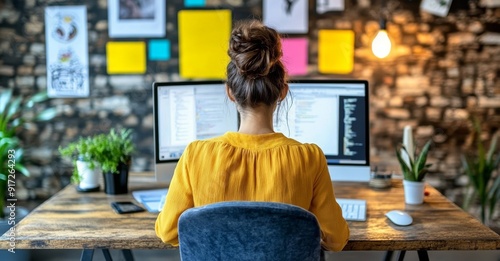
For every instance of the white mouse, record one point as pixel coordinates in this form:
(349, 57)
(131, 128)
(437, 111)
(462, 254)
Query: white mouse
(399, 217)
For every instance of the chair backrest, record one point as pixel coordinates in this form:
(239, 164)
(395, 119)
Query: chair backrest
(245, 230)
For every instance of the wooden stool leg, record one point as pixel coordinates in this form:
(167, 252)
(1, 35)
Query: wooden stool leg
(87, 255)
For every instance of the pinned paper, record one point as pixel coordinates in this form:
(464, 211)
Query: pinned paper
(295, 55)
(286, 16)
(336, 51)
(144, 18)
(194, 3)
(323, 6)
(436, 7)
(126, 57)
(159, 50)
(67, 51)
(203, 43)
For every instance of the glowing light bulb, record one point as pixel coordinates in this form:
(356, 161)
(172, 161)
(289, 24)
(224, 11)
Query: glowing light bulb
(381, 45)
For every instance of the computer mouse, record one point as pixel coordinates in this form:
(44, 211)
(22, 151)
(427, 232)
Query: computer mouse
(399, 217)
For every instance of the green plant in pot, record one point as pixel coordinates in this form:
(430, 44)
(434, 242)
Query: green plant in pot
(480, 166)
(414, 167)
(16, 113)
(113, 152)
(85, 174)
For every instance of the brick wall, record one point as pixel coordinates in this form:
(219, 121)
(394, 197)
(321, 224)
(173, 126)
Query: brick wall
(441, 71)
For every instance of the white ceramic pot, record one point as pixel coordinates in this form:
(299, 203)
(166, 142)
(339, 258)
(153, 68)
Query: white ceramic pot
(89, 178)
(414, 192)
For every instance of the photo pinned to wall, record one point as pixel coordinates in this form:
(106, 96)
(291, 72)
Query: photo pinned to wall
(67, 51)
(286, 16)
(436, 7)
(136, 18)
(323, 6)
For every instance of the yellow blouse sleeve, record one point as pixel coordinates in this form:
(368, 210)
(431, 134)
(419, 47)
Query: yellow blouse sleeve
(334, 228)
(179, 198)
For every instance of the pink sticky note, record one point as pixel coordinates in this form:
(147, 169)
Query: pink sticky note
(295, 55)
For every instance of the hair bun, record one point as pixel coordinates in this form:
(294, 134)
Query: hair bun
(254, 49)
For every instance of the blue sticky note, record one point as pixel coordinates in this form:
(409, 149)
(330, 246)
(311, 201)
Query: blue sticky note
(194, 3)
(159, 50)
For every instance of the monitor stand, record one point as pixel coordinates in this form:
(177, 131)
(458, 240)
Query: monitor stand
(349, 173)
(165, 171)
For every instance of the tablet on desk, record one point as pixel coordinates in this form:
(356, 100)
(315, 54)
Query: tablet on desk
(151, 199)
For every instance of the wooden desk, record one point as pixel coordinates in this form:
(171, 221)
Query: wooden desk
(71, 220)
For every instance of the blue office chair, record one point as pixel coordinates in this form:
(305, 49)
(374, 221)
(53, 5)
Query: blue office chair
(245, 230)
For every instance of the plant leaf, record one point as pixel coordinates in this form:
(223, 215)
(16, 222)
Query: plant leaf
(5, 96)
(404, 167)
(46, 115)
(22, 169)
(39, 97)
(421, 160)
(469, 195)
(492, 149)
(13, 107)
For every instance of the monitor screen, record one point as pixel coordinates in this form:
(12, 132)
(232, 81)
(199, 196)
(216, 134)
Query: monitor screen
(184, 112)
(334, 115)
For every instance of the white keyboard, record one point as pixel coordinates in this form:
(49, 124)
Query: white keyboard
(353, 209)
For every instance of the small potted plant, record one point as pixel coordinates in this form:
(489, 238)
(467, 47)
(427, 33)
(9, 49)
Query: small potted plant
(480, 166)
(413, 166)
(85, 174)
(113, 152)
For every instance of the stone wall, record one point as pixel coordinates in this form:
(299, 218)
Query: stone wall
(441, 70)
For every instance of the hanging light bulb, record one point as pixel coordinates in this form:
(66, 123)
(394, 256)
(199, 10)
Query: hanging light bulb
(381, 45)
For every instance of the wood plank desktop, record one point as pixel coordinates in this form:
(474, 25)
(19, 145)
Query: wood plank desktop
(71, 220)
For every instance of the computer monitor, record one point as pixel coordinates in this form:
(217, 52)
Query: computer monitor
(334, 115)
(184, 112)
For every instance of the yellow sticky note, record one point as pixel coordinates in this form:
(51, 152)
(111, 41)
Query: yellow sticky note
(203, 43)
(126, 57)
(335, 51)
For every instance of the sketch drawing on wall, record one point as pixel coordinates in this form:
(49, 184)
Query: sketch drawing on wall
(67, 51)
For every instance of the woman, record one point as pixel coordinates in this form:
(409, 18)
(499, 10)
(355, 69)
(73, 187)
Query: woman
(255, 163)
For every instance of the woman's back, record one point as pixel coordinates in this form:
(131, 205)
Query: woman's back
(234, 168)
(264, 167)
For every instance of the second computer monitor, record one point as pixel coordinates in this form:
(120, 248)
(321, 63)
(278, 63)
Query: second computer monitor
(334, 115)
(184, 112)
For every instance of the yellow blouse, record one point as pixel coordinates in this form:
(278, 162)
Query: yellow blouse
(267, 167)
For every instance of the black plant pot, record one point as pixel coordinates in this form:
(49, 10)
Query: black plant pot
(117, 183)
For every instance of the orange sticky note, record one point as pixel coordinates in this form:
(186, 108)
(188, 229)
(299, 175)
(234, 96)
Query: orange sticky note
(126, 57)
(336, 51)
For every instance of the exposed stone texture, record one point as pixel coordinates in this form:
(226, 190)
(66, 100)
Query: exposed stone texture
(127, 83)
(490, 38)
(37, 49)
(441, 70)
(6, 70)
